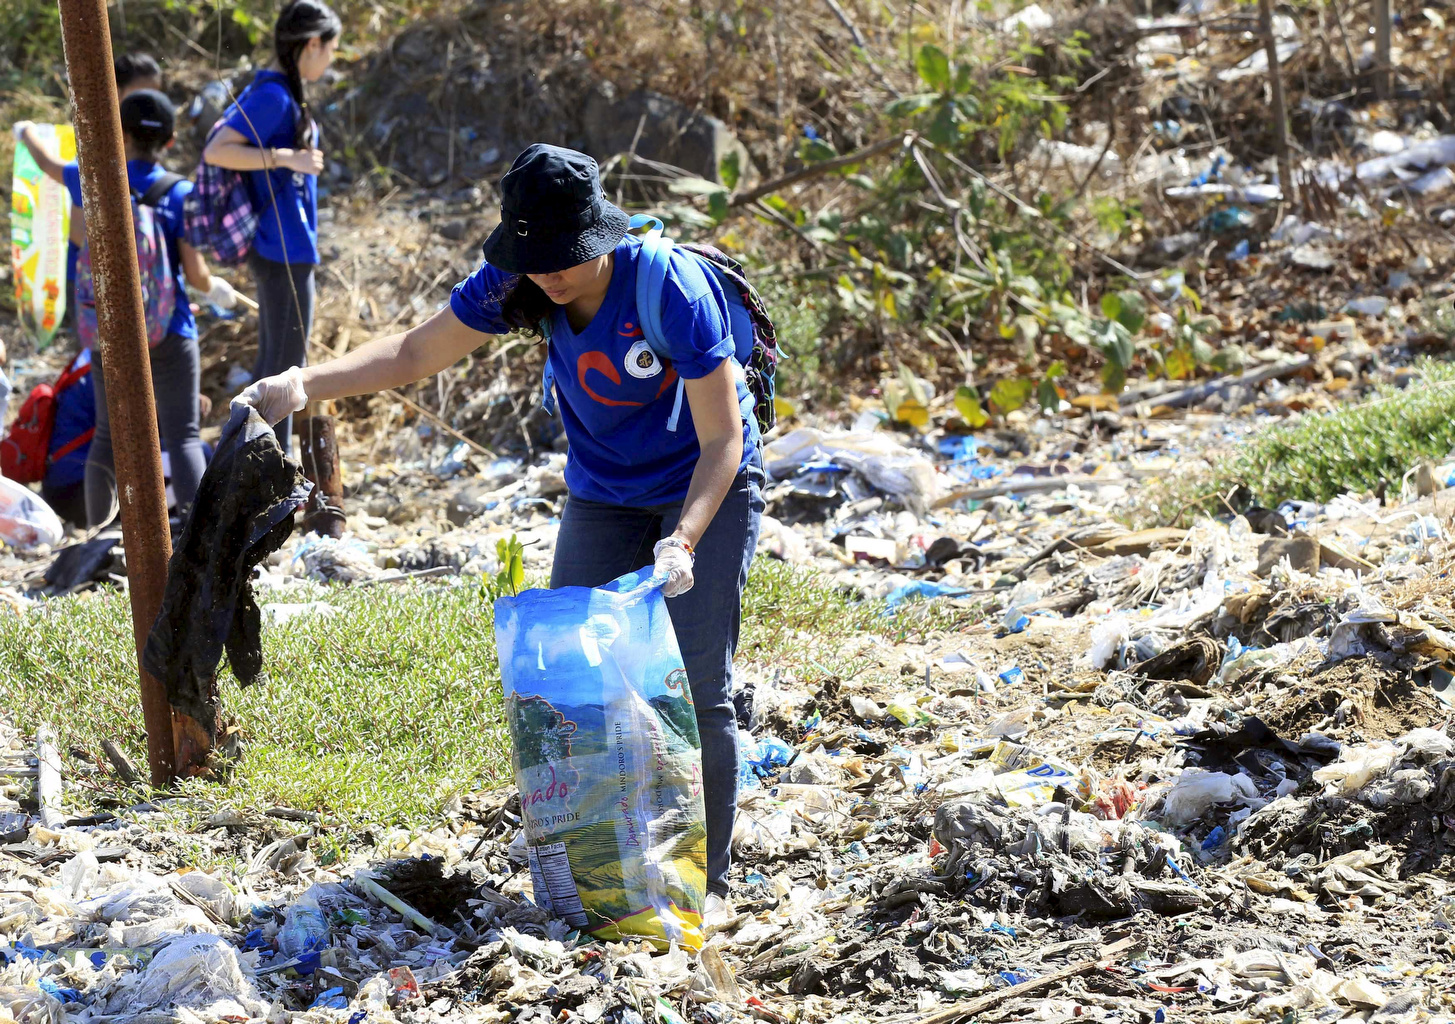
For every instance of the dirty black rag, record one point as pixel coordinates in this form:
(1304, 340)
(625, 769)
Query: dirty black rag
(243, 513)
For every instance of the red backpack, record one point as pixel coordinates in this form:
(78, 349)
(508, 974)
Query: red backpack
(25, 452)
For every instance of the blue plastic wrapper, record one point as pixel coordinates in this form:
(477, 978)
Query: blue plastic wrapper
(927, 589)
(607, 758)
(759, 759)
(330, 999)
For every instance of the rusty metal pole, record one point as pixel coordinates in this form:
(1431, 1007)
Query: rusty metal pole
(124, 353)
(319, 451)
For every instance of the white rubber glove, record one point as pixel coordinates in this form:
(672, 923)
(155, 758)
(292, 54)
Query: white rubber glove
(674, 562)
(221, 294)
(276, 397)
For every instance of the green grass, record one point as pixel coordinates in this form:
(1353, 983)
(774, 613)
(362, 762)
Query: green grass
(1365, 447)
(378, 715)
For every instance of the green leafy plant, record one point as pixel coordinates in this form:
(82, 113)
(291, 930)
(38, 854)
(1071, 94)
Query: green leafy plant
(510, 577)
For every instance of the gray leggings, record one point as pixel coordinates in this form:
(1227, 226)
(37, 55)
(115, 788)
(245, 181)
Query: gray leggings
(283, 327)
(175, 381)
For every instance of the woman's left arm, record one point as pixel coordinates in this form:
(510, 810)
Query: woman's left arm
(714, 403)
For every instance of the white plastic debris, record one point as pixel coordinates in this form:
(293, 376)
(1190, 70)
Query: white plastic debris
(199, 972)
(1370, 306)
(878, 457)
(281, 613)
(1356, 768)
(1197, 791)
(1033, 19)
(1108, 637)
(25, 520)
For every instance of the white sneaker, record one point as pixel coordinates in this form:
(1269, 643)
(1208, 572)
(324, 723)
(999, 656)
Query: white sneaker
(716, 912)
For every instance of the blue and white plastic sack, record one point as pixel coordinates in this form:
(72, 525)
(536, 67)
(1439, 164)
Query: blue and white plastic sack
(607, 758)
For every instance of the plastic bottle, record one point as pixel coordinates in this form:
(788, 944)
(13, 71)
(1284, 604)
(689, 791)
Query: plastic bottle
(305, 929)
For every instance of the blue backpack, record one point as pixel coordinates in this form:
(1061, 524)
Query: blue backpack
(755, 339)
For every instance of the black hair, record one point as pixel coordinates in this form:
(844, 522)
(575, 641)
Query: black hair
(298, 22)
(525, 307)
(148, 148)
(148, 120)
(131, 66)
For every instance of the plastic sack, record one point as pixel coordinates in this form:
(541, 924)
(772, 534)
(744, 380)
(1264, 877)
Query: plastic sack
(760, 759)
(29, 1004)
(25, 520)
(607, 758)
(305, 929)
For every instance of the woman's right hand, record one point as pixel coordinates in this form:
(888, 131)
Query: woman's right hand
(302, 161)
(277, 397)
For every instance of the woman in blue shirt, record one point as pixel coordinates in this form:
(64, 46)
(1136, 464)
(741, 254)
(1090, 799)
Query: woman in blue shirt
(269, 133)
(645, 484)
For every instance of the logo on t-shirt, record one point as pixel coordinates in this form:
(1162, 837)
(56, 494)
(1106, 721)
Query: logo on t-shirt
(642, 362)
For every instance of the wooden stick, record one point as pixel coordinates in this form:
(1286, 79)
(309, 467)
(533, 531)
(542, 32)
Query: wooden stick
(863, 46)
(1025, 485)
(1280, 112)
(1193, 395)
(478, 448)
(991, 1000)
(1382, 77)
(124, 768)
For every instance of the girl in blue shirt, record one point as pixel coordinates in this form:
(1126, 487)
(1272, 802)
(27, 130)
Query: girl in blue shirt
(651, 478)
(268, 132)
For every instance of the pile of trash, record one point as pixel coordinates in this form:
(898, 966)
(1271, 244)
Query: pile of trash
(1205, 769)
(1181, 770)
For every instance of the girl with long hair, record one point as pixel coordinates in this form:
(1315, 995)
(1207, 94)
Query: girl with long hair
(270, 133)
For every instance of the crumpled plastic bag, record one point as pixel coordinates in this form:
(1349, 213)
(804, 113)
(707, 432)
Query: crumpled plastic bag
(1356, 768)
(1346, 639)
(1426, 745)
(1197, 791)
(198, 971)
(1405, 786)
(1357, 873)
(25, 520)
(1108, 637)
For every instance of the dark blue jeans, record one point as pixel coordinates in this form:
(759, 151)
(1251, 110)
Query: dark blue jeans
(598, 543)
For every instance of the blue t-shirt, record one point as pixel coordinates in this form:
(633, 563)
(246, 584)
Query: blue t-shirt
(614, 394)
(266, 116)
(140, 176)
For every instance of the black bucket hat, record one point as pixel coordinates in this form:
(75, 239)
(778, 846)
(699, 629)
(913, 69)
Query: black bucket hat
(553, 215)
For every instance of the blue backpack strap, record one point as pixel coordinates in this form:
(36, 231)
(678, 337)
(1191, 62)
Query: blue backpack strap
(548, 375)
(653, 263)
